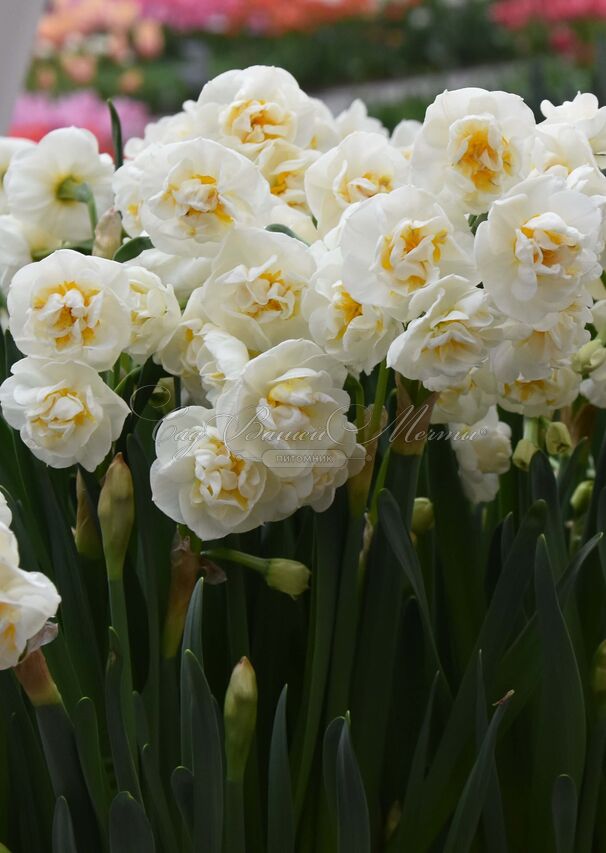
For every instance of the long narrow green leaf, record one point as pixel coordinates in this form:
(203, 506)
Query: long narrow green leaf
(192, 641)
(182, 783)
(353, 824)
(158, 806)
(467, 815)
(544, 487)
(129, 828)
(418, 768)
(564, 811)
(403, 549)
(453, 756)
(373, 678)
(561, 733)
(457, 542)
(280, 817)
(64, 840)
(59, 744)
(124, 760)
(493, 820)
(207, 761)
(328, 535)
(91, 760)
(330, 748)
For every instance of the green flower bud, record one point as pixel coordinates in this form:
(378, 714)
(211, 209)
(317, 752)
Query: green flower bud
(598, 680)
(522, 455)
(581, 497)
(86, 534)
(590, 356)
(557, 439)
(422, 516)
(116, 511)
(240, 718)
(287, 576)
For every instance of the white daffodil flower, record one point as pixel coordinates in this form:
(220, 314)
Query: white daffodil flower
(64, 411)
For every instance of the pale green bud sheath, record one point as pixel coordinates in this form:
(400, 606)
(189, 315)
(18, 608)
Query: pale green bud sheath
(581, 497)
(422, 516)
(557, 439)
(86, 533)
(116, 510)
(522, 455)
(240, 718)
(116, 515)
(108, 235)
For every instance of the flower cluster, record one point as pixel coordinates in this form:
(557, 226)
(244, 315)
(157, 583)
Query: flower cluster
(27, 599)
(279, 249)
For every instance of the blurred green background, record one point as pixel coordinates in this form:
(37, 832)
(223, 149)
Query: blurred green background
(395, 54)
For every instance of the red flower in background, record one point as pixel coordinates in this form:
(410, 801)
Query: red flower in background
(516, 14)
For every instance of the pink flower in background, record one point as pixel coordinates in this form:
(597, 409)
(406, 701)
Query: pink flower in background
(267, 16)
(36, 114)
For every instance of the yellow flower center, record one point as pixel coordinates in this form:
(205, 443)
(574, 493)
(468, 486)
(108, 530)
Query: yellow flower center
(416, 249)
(8, 630)
(349, 310)
(365, 186)
(65, 308)
(255, 121)
(479, 158)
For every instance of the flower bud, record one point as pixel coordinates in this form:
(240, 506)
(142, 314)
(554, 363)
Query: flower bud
(86, 534)
(557, 439)
(287, 576)
(108, 235)
(522, 455)
(240, 717)
(116, 511)
(185, 566)
(581, 497)
(422, 516)
(36, 680)
(598, 681)
(590, 356)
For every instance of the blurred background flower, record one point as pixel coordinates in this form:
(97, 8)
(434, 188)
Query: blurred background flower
(396, 54)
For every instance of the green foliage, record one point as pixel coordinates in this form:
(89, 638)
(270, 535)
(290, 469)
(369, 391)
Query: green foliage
(442, 690)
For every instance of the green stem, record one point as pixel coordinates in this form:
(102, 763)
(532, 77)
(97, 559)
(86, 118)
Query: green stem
(233, 840)
(119, 621)
(257, 564)
(380, 394)
(121, 384)
(344, 644)
(591, 787)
